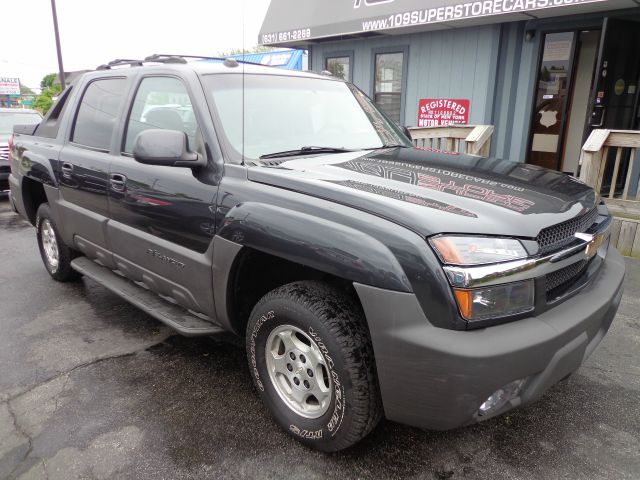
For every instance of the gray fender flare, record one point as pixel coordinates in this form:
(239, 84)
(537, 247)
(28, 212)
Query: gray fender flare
(306, 240)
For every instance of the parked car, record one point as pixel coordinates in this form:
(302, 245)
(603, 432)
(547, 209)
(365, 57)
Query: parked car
(367, 277)
(8, 118)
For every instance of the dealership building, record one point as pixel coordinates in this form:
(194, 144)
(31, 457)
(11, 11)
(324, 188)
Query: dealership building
(543, 72)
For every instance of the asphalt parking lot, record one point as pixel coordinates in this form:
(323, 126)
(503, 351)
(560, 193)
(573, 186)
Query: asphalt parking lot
(91, 387)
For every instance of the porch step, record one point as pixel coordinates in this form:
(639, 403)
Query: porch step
(172, 315)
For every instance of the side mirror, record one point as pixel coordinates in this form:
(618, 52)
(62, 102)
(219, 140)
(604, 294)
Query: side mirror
(169, 148)
(407, 133)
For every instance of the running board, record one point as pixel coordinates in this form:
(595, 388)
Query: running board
(172, 315)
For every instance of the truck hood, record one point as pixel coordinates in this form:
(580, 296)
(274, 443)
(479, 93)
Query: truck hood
(433, 192)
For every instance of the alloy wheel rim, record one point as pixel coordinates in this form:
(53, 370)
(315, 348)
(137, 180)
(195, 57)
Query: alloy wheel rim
(50, 245)
(298, 371)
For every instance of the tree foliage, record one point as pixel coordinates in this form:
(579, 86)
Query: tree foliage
(44, 101)
(47, 80)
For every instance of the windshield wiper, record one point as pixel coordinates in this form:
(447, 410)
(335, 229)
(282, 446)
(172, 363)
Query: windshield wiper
(387, 145)
(304, 151)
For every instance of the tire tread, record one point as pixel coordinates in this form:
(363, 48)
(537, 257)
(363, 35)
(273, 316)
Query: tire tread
(345, 321)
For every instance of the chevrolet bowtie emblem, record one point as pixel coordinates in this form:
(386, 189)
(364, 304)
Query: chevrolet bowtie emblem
(593, 243)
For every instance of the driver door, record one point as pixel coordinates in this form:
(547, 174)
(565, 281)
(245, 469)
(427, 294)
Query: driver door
(161, 224)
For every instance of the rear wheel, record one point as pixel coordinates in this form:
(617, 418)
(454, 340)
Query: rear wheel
(312, 362)
(56, 255)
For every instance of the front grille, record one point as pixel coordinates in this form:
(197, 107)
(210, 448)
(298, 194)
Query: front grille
(4, 152)
(559, 282)
(557, 236)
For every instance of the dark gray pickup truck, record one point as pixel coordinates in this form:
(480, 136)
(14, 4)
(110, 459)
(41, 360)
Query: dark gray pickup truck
(368, 277)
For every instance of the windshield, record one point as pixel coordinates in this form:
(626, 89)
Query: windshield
(286, 113)
(9, 119)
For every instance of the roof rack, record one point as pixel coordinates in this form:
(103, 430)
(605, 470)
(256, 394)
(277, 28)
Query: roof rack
(120, 61)
(139, 63)
(171, 58)
(202, 57)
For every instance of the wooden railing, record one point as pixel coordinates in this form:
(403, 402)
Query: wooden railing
(471, 139)
(597, 152)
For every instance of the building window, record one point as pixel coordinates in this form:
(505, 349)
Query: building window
(388, 83)
(339, 67)
(98, 113)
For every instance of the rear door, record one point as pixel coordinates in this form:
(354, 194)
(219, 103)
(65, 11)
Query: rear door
(83, 167)
(162, 218)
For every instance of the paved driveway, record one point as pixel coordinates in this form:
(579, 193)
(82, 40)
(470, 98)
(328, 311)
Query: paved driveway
(91, 387)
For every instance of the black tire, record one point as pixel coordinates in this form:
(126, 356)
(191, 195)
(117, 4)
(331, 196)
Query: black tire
(62, 272)
(336, 324)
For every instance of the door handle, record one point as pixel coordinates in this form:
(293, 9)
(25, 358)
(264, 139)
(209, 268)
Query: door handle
(118, 182)
(597, 110)
(67, 169)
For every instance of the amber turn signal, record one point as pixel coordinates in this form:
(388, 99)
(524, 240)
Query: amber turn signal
(447, 250)
(495, 301)
(463, 297)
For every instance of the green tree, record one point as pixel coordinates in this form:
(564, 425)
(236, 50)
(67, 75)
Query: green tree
(26, 90)
(44, 101)
(47, 80)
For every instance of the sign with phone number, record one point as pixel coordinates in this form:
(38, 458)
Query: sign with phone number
(290, 35)
(9, 86)
(442, 111)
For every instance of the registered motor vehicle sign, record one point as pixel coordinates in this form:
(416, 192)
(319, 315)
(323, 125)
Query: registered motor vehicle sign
(442, 111)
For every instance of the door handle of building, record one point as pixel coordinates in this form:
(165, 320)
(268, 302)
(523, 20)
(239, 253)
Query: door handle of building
(67, 169)
(118, 182)
(597, 116)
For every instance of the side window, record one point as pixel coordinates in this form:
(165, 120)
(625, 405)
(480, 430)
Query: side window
(161, 102)
(50, 124)
(98, 113)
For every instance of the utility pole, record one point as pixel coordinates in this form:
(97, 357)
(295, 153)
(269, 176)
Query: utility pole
(55, 29)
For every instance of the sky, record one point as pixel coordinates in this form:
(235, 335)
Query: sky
(95, 32)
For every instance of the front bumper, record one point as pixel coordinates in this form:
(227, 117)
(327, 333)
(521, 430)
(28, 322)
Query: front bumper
(436, 378)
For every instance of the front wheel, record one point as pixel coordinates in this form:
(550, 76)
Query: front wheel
(56, 255)
(312, 362)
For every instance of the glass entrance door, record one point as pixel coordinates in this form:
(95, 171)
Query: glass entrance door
(551, 98)
(615, 97)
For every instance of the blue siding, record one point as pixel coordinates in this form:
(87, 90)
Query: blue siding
(491, 65)
(458, 63)
(506, 99)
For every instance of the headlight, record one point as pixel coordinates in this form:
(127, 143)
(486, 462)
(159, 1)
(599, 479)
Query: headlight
(495, 301)
(492, 301)
(467, 250)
